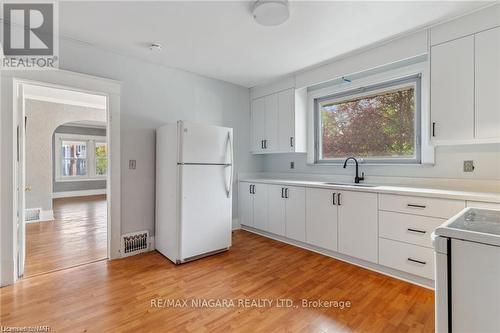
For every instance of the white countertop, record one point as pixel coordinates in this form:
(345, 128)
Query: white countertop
(389, 189)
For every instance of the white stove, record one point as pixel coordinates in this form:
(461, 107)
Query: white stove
(467, 261)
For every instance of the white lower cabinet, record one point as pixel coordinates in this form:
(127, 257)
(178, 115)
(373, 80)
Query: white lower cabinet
(260, 213)
(245, 204)
(406, 257)
(321, 218)
(358, 225)
(295, 213)
(387, 229)
(253, 205)
(287, 211)
(277, 210)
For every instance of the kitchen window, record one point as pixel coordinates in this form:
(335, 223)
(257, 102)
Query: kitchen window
(379, 123)
(79, 157)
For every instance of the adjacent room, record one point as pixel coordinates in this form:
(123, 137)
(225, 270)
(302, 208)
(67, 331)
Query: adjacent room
(250, 166)
(65, 179)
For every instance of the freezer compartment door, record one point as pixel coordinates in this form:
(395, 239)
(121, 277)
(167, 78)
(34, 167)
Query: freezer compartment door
(204, 144)
(206, 217)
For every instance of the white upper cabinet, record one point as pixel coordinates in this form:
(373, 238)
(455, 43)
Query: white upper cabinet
(465, 89)
(487, 88)
(271, 123)
(258, 118)
(452, 90)
(279, 122)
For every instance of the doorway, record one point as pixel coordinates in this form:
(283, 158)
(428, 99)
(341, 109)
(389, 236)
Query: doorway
(63, 165)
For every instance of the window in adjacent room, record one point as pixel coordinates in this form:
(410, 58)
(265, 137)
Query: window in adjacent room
(79, 157)
(378, 123)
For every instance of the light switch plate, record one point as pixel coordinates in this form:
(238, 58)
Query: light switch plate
(468, 166)
(131, 164)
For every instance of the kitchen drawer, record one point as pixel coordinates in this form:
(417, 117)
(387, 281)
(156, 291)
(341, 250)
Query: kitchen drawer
(409, 258)
(434, 207)
(407, 228)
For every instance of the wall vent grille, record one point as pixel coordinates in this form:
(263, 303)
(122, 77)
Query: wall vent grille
(32, 214)
(135, 243)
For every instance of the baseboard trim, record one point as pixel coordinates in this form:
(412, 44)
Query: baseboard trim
(236, 224)
(414, 279)
(84, 193)
(45, 215)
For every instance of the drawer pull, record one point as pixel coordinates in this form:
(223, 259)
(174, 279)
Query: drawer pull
(416, 230)
(416, 206)
(417, 261)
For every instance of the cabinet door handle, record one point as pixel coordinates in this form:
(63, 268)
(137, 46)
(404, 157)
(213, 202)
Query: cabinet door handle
(433, 129)
(253, 189)
(261, 144)
(333, 198)
(417, 261)
(286, 193)
(416, 231)
(416, 206)
(265, 144)
(338, 199)
(283, 192)
(250, 189)
(291, 141)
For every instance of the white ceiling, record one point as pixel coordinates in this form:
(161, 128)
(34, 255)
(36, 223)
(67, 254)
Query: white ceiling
(221, 40)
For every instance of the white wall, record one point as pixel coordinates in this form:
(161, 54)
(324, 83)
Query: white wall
(449, 164)
(152, 95)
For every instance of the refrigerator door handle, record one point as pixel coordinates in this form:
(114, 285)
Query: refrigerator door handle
(229, 142)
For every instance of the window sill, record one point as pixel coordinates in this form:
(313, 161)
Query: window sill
(70, 180)
(341, 164)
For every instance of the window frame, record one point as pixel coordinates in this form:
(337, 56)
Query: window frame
(91, 141)
(370, 90)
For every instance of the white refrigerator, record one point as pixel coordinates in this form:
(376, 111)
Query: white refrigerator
(194, 176)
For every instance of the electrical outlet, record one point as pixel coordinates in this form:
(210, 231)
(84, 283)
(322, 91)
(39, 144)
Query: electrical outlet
(468, 166)
(131, 164)
(292, 165)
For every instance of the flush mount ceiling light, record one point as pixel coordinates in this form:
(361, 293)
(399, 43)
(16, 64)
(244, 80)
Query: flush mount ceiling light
(155, 47)
(271, 12)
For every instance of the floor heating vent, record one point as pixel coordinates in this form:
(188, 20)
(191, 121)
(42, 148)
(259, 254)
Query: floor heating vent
(134, 243)
(32, 214)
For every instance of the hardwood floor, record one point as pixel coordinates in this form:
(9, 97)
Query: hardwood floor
(115, 296)
(77, 235)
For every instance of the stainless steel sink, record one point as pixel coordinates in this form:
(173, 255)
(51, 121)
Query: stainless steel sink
(352, 184)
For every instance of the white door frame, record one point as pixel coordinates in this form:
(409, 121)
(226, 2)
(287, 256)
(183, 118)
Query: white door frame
(10, 118)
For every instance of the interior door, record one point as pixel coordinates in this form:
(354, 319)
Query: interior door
(205, 144)
(21, 182)
(276, 209)
(206, 218)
